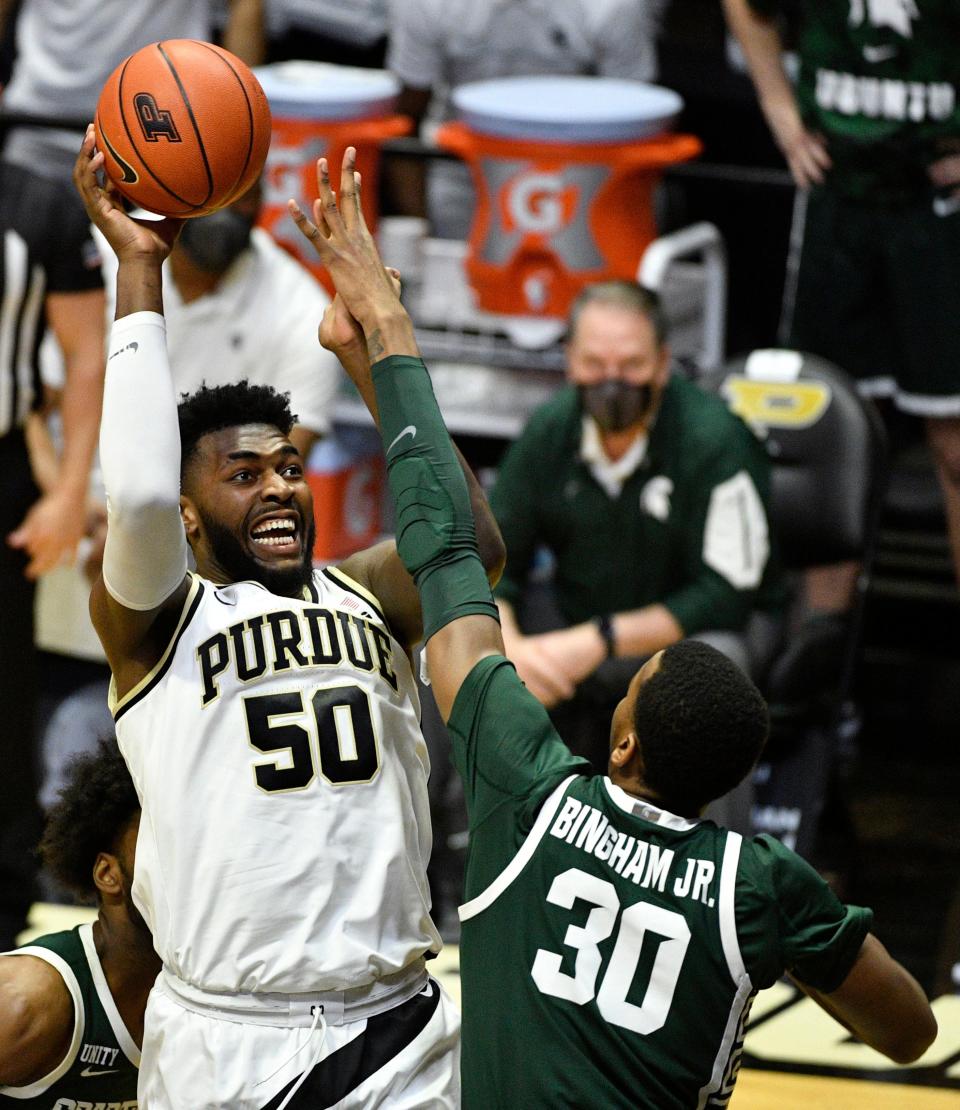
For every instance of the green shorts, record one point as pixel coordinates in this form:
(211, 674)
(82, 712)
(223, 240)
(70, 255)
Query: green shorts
(876, 291)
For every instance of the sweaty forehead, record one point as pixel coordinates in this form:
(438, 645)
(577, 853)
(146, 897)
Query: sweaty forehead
(216, 448)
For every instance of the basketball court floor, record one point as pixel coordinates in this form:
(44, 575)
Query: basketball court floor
(796, 1058)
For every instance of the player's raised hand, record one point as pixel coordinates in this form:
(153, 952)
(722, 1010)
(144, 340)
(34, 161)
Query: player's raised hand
(128, 237)
(341, 334)
(340, 236)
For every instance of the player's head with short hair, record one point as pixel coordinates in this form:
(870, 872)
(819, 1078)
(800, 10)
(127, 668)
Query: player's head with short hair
(245, 502)
(617, 355)
(700, 725)
(213, 408)
(96, 816)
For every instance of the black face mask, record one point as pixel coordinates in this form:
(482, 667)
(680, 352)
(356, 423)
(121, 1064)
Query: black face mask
(213, 242)
(616, 405)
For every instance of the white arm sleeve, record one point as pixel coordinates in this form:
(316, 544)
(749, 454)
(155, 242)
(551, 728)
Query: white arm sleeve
(145, 557)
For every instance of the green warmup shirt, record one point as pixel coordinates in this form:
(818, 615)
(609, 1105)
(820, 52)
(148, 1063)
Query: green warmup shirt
(880, 79)
(99, 1071)
(610, 950)
(688, 529)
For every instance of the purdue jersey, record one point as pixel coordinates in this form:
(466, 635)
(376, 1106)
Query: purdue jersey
(277, 753)
(610, 950)
(100, 1067)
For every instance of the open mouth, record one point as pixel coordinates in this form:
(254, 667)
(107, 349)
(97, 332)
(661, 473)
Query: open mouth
(278, 535)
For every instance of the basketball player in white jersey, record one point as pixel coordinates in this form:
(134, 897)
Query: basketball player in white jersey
(269, 718)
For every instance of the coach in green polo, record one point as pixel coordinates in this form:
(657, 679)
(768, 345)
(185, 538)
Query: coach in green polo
(651, 497)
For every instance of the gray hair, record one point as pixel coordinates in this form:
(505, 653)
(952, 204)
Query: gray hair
(624, 294)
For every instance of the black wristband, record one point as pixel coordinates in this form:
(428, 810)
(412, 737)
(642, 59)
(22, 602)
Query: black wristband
(604, 625)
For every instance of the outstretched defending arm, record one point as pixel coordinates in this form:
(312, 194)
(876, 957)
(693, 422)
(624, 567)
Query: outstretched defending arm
(436, 538)
(145, 560)
(379, 568)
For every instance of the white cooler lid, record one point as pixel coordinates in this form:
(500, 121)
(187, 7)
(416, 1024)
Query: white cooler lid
(321, 91)
(567, 109)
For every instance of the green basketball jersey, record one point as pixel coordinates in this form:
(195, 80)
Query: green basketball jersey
(610, 950)
(881, 79)
(99, 1071)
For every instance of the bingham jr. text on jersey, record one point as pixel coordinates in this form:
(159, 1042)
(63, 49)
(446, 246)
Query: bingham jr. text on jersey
(645, 864)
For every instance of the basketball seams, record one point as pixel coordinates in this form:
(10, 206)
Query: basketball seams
(193, 122)
(136, 150)
(251, 130)
(194, 91)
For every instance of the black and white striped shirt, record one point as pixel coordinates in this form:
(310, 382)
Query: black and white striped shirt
(46, 248)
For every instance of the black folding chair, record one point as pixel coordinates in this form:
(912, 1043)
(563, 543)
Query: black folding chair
(827, 447)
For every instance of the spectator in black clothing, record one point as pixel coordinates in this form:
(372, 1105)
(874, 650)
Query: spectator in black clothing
(49, 273)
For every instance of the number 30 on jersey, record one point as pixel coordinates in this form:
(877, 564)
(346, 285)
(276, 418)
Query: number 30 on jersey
(581, 987)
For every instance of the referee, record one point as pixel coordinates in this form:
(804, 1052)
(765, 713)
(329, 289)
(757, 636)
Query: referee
(49, 274)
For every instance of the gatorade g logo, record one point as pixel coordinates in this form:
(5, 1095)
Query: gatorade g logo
(896, 14)
(525, 201)
(777, 404)
(155, 123)
(539, 202)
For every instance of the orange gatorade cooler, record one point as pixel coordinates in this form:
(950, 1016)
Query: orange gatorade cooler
(347, 475)
(320, 109)
(564, 169)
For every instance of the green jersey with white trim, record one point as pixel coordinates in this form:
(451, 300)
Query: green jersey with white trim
(101, 1065)
(610, 949)
(881, 80)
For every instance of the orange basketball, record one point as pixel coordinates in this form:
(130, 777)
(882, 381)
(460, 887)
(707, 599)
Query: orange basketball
(184, 127)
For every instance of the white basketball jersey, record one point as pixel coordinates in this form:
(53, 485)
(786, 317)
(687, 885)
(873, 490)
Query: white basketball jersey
(277, 752)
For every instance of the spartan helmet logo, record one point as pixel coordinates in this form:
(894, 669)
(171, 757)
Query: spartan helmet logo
(896, 14)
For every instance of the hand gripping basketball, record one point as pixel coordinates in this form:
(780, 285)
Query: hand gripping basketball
(184, 127)
(128, 237)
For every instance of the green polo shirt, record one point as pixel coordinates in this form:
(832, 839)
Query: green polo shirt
(688, 529)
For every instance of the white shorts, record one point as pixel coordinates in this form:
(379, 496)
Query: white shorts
(405, 1058)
